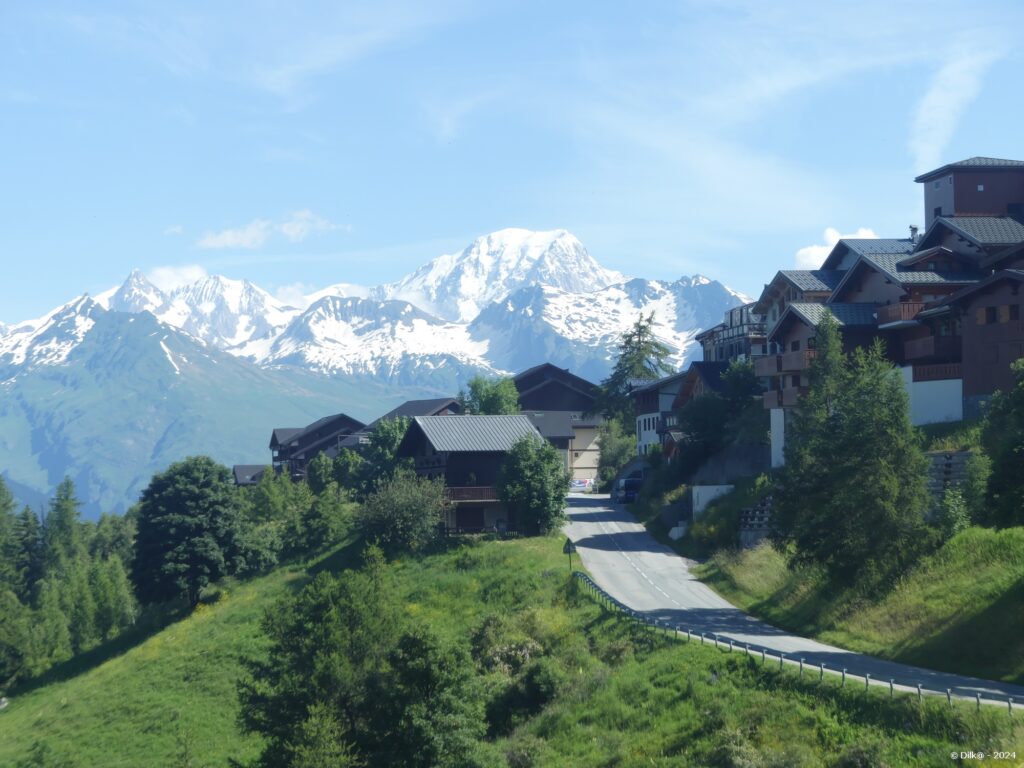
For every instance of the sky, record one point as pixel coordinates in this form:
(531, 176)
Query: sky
(304, 144)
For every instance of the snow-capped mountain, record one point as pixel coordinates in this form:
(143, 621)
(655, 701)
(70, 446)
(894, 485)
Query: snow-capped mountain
(391, 340)
(49, 340)
(136, 294)
(580, 331)
(458, 286)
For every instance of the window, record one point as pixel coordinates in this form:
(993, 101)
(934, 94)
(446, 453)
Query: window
(796, 380)
(937, 212)
(981, 187)
(1004, 314)
(937, 185)
(931, 266)
(1014, 312)
(811, 343)
(990, 315)
(950, 181)
(795, 345)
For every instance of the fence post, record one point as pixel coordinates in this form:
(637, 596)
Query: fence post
(867, 680)
(977, 696)
(843, 684)
(748, 648)
(919, 695)
(688, 636)
(730, 645)
(1009, 705)
(892, 691)
(821, 670)
(762, 657)
(782, 658)
(702, 638)
(949, 696)
(801, 667)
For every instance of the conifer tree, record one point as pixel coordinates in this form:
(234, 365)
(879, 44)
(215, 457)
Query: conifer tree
(29, 559)
(641, 357)
(62, 534)
(53, 638)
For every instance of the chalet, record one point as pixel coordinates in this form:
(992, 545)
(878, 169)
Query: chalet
(248, 474)
(410, 409)
(562, 407)
(789, 285)
(467, 451)
(988, 315)
(701, 378)
(292, 449)
(978, 186)
(652, 403)
(740, 336)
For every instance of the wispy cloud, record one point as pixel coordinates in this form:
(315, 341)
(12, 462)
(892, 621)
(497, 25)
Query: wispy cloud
(952, 89)
(446, 118)
(811, 256)
(300, 224)
(170, 277)
(174, 229)
(252, 235)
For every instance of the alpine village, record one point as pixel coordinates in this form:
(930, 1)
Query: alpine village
(805, 548)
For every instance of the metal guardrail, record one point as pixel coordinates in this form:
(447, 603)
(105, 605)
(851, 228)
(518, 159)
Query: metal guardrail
(729, 645)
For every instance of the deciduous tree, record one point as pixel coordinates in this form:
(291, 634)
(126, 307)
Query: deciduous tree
(533, 483)
(491, 397)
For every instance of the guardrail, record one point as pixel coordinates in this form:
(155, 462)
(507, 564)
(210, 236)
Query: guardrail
(730, 646)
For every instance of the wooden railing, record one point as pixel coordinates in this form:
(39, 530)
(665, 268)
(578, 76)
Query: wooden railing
(939, 372)
(797, 361)
(472, 493)
(901, 312)
(944, 347)
(768, 365)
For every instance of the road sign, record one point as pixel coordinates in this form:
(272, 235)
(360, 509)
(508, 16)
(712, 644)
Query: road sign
(568, 548)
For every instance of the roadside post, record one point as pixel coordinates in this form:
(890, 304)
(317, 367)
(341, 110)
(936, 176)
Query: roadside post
(568, 548)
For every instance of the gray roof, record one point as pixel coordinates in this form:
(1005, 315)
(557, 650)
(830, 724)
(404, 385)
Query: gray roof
(553, 425)
(890, 265)
(411, 408)
(853, 314)
(1016, 275)
(248, 474)
(972, 162)
(658, 383)
(481, 434)
(987, 230)
(820, 280)
(865, 245)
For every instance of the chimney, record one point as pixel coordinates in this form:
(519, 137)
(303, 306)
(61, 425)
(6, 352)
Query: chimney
(913, 233)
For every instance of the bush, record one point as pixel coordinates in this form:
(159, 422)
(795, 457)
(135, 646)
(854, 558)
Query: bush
(404, 513)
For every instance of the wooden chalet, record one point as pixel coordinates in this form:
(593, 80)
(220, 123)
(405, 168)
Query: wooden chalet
(467, 451)
(292, 449)
(410, 409)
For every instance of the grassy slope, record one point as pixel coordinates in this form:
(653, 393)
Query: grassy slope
(961, 609)
(628, 697)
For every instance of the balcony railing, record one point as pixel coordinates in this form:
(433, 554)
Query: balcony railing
(797, 361)
(768, 365)
(939, 372)
(426, 463)
(901, 312)
(944, 348)
(791, 395)
(472, 493)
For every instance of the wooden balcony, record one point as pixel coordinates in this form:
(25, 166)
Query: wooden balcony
(797, 361)
(472, 493)
(771, 399)
(902, 312)
(937, 348)
(792, 395)
(768, 365)
(939, 372)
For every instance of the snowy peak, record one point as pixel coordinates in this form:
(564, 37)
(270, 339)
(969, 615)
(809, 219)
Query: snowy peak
(50, 339)
(458, 286)
(136, 294)
(225, 312)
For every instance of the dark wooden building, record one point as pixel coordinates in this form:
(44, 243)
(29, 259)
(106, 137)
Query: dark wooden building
(410, 409)
(467, 451)
(292, 449)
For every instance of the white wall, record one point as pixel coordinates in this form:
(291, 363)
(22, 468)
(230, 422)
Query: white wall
(647, 433)
(705, 494)
(933, 402)
(778, 431)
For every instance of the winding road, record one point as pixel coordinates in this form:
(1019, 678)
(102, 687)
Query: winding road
(631, 566)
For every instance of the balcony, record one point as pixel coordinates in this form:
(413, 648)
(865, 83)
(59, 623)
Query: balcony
(903, 312)
(768, 365)
(771, 399)
(472, 493)
(791, 395)
(938, 348)
(939, 372)
(797, 361)
(431, 463)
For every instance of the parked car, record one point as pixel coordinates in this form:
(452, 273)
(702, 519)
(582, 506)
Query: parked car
(627, 489)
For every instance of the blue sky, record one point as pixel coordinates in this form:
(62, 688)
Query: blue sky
(304, 144)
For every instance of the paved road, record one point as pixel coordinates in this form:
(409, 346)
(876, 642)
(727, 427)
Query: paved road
(630, 565)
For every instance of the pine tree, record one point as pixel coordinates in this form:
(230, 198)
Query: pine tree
(188, 534)
(29, 558)
(11, 577)
(62, 534)
(78, 604)
(15, 639)
(53, 638)
(115, 605)
(1003, 438)
(641, 357)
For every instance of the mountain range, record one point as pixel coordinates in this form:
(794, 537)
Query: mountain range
(110, 389)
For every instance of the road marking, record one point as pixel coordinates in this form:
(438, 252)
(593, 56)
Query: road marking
(637, 568)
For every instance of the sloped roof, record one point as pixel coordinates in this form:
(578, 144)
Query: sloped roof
(851, 314)
(553, 425)
(982, 231)
(413, 408)
(889, 265)
(820, 280)
(247, 474)
(284, 435)
(475, 434)
(866, 245)
(1016, 275)
(320, 423)
(987, 163)
(658, 383)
